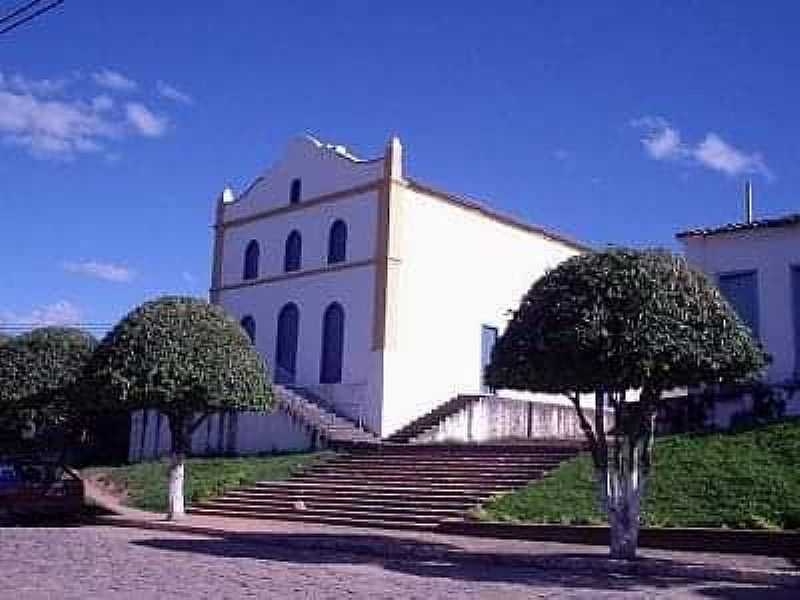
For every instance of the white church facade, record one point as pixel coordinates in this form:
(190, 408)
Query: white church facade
(375, 292)
(380, 294)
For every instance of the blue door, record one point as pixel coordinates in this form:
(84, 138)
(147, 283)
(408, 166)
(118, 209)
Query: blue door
(488, 339)
(741, 290)
(330, 370)
(796, 311)
(286, 345)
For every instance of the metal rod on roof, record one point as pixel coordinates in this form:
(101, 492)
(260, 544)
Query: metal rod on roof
(748, 202)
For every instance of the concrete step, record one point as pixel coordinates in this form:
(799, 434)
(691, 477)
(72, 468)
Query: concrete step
(400, 479)
(351, 513)
(379, 523)
(481, 491)
(434, 469)
(337, 500)
(317, 505)
(370, 494)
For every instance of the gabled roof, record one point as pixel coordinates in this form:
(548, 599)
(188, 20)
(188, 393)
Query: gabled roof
(784, 221)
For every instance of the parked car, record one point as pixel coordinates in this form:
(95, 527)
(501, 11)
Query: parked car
(32, 487)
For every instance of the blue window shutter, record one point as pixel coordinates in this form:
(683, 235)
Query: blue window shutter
(332, 344)
(796, 311)
(337, 242)
(286, 344)
(294, 252)
(488, 340)
(741, 290)
(251, 257)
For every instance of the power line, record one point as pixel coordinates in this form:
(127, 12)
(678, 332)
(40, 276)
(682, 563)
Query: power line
(19, 11)
(31, 16)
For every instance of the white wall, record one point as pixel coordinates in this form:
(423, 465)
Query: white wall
(358, 212)
(458, 271)
(321, 170)
(221, 433)
(353, 289)
(772, 252)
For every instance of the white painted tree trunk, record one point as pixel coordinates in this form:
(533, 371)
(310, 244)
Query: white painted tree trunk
(181, 436)
(176, 509)
(622, 485)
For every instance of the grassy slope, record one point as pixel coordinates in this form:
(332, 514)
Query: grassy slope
(748, 479)
(146, 483)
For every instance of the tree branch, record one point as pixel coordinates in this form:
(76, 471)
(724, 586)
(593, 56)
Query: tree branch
(600, 428)
(586, 427)
(193, 427)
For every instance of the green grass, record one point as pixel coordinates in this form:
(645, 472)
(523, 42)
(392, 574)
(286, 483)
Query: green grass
(146, 483)
(749, 479)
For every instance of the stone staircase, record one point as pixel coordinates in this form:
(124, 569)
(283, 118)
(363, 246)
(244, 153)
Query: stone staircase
(331, 429)
(414, 486)
(430, 419)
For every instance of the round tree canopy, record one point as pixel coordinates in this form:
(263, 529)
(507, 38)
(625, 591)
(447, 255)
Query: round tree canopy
(178, 355)
(622, 319)
(36, 368)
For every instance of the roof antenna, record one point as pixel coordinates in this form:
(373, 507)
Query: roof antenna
(748, 202)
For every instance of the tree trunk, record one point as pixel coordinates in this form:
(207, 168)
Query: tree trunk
(622, 485)
(176, 509)
(179, 430)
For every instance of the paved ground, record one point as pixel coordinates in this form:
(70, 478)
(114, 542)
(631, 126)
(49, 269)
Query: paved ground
(106, 562)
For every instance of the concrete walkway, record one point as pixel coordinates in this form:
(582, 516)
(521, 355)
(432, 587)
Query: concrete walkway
(386, 544)
(392, 544)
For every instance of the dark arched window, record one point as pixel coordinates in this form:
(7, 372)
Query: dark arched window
(294, 252)
(295, 191)
(286, 344)
(249, 325)
(332, 344)
(251, 255)
(337, 242)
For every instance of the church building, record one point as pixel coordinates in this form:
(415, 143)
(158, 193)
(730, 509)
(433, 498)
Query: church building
(378, 293)
(375, 296)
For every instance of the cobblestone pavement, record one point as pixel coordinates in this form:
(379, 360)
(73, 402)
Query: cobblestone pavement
(106, 562)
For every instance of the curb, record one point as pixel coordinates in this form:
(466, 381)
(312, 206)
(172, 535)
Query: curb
(398, 549)
(785, 544)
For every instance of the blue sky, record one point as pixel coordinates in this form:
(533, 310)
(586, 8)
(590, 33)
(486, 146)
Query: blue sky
(614, 122)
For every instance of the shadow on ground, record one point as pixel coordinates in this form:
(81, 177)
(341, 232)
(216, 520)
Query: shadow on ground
(440, 560)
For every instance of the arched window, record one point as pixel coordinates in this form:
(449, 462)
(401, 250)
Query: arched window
(251, 255)
(248, 323)
(332, 344)
(294, 252)
(286, 344)
(337, 242)
(295, 191)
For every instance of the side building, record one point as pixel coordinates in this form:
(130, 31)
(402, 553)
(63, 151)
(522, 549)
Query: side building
(756, 264)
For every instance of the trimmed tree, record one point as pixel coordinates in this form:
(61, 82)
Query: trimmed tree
(185, 358)
(620, 320)
(37, 372)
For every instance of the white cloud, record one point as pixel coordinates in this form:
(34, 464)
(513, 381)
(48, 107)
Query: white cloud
(172, 93)
(715, 153)
(144, 120)
(102, 103)
(100, 270)
(41, 87)
(663, 142)
(53, 128)
(62, 312)
(54, 119)
(114, 80)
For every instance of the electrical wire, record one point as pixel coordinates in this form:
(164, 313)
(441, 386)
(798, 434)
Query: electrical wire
(31, 16)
